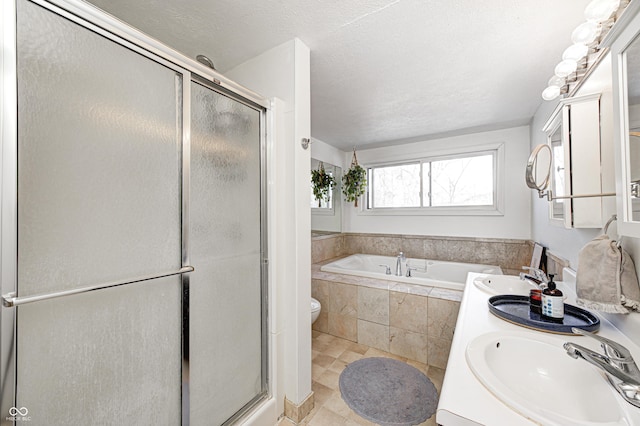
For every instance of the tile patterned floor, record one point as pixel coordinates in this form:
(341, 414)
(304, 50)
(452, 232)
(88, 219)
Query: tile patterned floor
(330, 355)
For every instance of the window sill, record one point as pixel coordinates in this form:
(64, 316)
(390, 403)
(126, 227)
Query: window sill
(435, 211)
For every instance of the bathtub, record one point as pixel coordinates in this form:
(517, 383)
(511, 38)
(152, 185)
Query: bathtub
(452, 275)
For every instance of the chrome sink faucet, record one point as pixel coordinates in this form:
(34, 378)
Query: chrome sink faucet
(537, 275)
(399, 259)
(616, 362)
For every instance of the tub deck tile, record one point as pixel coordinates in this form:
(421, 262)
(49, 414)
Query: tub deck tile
(446, 294)
(416, 289)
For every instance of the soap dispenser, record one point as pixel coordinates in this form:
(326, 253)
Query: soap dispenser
(552, 302)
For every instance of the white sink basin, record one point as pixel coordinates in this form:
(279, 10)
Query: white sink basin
(532, 374)
(504, 284)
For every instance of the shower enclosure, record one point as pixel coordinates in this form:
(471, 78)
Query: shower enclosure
(134, 256)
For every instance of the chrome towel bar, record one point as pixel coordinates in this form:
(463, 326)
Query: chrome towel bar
(11, 300)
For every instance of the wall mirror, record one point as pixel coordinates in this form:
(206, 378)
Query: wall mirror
(326, 213)
(538, 172)
(626, 73)
(546, 172)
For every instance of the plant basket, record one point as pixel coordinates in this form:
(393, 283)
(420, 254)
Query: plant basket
(323, 183)
(354, 181)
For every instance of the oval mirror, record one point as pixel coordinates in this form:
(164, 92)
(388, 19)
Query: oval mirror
(539, 167)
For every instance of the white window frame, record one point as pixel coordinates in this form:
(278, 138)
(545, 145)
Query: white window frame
(497, 209)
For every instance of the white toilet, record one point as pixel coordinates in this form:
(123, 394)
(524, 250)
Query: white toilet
(315, 310)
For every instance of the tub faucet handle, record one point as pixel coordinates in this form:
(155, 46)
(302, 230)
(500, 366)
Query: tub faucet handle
(388, 270)
(409, 269)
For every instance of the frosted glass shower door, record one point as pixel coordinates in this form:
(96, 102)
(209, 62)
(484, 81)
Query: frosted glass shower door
(227, 350)
(99, 201)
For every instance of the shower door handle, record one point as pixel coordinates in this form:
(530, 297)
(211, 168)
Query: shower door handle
(10, 300)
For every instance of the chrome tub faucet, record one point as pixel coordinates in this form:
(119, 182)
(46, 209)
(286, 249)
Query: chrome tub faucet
(399, 259)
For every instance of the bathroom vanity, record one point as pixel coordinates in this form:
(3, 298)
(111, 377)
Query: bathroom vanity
(464, 399)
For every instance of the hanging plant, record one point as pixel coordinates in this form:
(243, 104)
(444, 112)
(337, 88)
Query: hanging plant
(354, 181)
(323, 183)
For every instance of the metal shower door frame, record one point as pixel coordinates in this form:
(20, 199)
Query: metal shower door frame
(213, 85)
(190, 70)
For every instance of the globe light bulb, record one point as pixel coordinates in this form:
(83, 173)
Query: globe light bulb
(585, 33)
(600, 10)
(566, 67)
(557, 81)
(575, 52)
(550, 93)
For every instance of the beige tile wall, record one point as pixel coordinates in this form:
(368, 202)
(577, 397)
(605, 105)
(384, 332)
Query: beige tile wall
(418, 327)
(509, 254)
(326, 247)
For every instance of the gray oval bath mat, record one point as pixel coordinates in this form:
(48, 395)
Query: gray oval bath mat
(388, 392)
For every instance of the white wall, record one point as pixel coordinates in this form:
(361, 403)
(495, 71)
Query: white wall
(284, 72)
(514, 223)
(329, 154)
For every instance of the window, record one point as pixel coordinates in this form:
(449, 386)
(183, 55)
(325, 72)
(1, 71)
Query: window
(460, 181)
(395, 186)
(464, 181)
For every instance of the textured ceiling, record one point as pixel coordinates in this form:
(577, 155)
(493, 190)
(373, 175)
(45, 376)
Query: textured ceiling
(384, 71)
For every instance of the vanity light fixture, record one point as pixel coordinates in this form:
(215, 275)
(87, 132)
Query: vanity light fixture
(600, 15)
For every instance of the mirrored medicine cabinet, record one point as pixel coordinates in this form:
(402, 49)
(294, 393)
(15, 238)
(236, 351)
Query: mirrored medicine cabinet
(625, 51)
(575, 186)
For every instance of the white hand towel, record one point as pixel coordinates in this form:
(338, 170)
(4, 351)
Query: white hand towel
(606, 279)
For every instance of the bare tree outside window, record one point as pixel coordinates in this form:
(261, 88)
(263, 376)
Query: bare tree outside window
(458, 181)
(396, 186)
(464, 181)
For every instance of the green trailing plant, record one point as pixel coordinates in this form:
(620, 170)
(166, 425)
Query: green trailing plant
(354, 181)
(323, 183)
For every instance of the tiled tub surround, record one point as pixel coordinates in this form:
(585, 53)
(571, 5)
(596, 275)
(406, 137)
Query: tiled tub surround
(509, 254)
(408, 320)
